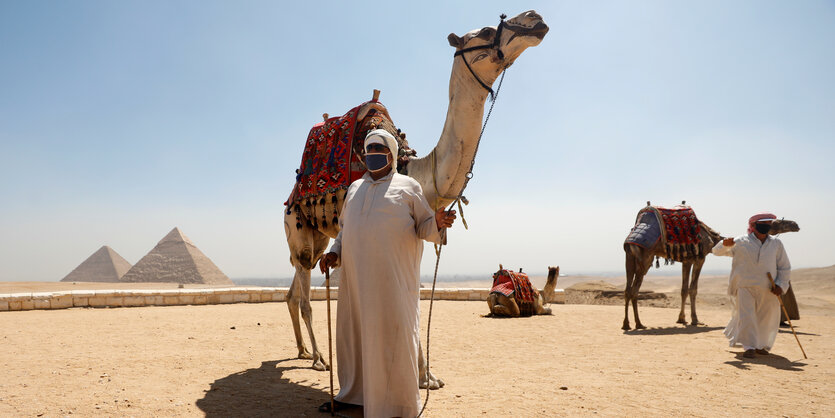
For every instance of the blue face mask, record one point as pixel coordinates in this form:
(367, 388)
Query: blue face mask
(376, 162)
(762, 228)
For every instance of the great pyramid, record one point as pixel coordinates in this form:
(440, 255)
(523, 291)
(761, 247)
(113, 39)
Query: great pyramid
(176, 259)
(105, 265)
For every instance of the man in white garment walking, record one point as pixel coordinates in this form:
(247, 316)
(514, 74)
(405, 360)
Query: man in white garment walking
(755, 308)
(383, 224)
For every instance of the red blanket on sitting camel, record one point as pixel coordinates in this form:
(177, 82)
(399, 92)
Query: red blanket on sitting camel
(681, 232)
(515, 285)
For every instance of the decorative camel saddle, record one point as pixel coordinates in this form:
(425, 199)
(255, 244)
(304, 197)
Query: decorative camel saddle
(677, 227)
(333, 157)
(515, 285)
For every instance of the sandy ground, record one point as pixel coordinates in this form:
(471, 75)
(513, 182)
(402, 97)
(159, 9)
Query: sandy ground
(239, 360)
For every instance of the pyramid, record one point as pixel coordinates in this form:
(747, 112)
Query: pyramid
(176, 259)
(105, 265)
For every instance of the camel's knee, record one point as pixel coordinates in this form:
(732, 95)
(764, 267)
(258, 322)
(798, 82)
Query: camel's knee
(499, 310)
(306, 310)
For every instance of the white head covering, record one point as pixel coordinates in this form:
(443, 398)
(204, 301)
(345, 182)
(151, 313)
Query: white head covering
(382, 136)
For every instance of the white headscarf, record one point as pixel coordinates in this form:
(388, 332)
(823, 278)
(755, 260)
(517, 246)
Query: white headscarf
(382, 136)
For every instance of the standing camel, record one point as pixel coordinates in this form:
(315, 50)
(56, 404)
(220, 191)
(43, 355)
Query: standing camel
(481, 56)
(639, 257)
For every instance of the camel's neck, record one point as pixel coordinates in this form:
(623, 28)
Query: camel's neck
(550, 285)
(442, 173)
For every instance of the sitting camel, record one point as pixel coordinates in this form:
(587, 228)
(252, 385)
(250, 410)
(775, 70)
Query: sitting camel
(639, 257)
(513, 295)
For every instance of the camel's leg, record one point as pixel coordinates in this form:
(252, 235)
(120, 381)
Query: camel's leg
(694, 289)
(426, 378)
(641, 269)
(492, 300)
(630, 277)
(307, 315)
(685, 280)
(539, 306)
(506, 306)
(306, 246)
(293, 299)
(636, 286)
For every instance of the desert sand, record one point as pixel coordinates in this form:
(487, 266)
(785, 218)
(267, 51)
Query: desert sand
(239, 360)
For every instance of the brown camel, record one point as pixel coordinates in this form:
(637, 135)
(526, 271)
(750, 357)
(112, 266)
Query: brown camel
(501, 305)
(639, 260)
(480, 58)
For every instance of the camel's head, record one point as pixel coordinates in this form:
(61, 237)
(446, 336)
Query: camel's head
(783, 225)
(491, 49)
(550, 283)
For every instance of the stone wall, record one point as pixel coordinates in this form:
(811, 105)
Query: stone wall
(213, 296)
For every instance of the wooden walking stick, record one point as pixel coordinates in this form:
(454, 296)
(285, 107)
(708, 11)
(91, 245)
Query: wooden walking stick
(787, 316)
(330, 350)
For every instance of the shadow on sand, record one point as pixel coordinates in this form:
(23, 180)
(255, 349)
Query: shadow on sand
(262, 392)
(789, 331)
(772, 360)
(675, 330)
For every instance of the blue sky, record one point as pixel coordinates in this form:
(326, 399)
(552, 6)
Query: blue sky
(121, 120)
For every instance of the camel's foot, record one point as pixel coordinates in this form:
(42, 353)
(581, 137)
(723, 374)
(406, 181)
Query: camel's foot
(639, 325)
(681, 320)
(625, 326)
(430, 381)
(696, 323)
(304, 354)
(320, 365)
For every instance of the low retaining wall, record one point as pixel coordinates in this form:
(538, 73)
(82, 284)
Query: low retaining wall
(170, 297)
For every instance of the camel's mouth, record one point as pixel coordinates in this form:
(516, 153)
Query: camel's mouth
(538, 30)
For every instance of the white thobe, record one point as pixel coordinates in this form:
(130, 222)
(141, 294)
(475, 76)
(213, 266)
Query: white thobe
(380, 245)
(755, 316)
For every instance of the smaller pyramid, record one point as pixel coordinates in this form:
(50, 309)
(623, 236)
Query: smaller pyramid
(105, 265)
(176, 259)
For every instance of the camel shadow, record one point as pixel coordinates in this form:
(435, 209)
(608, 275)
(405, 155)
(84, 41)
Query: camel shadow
(261, 392)
(675, 330)
(771, 360)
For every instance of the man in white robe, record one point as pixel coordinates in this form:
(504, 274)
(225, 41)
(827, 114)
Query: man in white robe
(755, 308)
(383, 224)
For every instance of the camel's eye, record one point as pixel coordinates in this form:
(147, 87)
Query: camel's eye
(479, 57)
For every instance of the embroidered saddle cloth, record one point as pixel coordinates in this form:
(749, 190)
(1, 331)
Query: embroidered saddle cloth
(677, 227)
(515, 285)
(333, 152)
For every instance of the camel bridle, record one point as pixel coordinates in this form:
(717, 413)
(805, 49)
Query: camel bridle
(496, 44)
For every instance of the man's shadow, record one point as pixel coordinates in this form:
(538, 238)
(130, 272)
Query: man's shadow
(262, 392)
(771, 359)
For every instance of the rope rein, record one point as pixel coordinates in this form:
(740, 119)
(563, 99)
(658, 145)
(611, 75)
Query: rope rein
(439, 247)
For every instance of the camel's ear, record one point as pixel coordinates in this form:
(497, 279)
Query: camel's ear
(454, 40)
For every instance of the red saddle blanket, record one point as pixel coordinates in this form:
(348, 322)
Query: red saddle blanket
(328, 163)
(517, 286)
(681, 232)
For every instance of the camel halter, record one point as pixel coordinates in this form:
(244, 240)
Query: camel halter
(494, 45)
(460, 198)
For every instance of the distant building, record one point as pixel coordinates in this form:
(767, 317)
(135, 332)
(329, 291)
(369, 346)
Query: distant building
(105, 265)
(176, 259)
